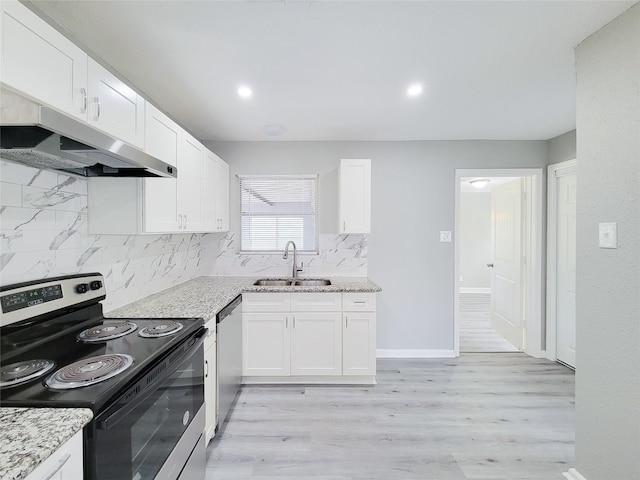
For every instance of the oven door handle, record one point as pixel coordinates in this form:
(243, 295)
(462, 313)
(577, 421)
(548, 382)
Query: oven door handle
(120, 413)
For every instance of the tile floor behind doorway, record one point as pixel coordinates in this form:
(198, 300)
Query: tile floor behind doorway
(481, 416)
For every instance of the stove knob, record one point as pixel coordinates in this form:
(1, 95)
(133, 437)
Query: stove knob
(96, 285)
(82, 288)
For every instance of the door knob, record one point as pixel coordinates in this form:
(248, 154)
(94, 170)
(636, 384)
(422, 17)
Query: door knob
(490, 265)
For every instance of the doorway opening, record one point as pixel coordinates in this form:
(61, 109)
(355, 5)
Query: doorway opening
(498, 266)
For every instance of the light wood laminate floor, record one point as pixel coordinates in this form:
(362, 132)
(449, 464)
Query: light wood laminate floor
(482, 416)
(476, 334)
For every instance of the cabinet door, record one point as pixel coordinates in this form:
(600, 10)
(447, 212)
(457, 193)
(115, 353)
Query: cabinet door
(161, 135)
(64, 464)
(359, 343)
(160, 195)
(222, 195)
(41, 63)
(316, 344)
(266, 344)
(190, 163)
(208, 182)
(210, 391)
(114, 107)
(355, 196)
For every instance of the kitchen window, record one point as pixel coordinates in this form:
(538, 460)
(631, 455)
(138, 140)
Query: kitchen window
(277, 208)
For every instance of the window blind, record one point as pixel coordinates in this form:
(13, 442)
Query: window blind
(275, 209)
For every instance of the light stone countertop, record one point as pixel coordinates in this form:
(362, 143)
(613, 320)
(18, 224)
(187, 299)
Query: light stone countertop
(205, 296)
(28, 436)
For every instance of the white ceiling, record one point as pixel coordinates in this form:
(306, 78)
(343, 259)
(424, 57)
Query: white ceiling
(338, 70)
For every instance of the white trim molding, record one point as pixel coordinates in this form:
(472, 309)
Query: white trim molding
(573, 474)
(410, 353)
(532, 243)
(553, 172)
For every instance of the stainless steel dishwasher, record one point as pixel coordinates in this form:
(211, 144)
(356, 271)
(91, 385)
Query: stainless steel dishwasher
(229, 345)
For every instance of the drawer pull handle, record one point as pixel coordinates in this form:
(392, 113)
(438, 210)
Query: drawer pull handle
(359, 302)
(59, 466)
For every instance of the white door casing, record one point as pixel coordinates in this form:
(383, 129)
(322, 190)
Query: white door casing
(506, 274)
(566, 270)
(560, 334)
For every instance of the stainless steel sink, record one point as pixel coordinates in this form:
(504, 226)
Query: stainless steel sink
(312, 282)
(273, 282)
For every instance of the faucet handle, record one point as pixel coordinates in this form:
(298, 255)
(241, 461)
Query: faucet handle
(301, 266)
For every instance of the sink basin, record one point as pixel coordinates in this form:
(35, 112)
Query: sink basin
(272, 282)
(312, 282)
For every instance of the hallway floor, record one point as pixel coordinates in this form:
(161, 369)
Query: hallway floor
(476, 334)
(481, 416)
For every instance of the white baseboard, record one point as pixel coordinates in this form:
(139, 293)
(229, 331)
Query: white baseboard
(408, 353)
(475, 290)
(573, 474)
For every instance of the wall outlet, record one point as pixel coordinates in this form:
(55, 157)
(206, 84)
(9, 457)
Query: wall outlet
(445, 236)
(608, 235)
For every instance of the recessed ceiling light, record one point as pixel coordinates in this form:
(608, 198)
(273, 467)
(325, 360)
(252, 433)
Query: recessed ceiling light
(414, 90)
(244, 92)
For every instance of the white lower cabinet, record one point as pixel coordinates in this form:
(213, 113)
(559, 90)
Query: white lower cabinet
(287, 335)
(210, 381)
(64, 464)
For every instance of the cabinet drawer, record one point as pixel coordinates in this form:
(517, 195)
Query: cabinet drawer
(359, 302)
(316, 302)
(266, 302)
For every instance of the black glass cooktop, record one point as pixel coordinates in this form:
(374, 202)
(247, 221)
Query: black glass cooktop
(57, 340)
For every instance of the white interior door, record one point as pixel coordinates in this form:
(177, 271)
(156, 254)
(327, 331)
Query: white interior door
(566, 270)
(506, 276)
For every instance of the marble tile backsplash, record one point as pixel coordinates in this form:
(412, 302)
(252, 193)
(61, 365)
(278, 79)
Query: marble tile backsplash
(44, 233)
(338, 256)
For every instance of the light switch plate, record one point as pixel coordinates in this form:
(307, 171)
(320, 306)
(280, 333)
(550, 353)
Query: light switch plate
(445, 237)
(608, 235)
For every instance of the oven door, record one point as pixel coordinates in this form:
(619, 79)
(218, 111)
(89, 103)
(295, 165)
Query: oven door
(153, 432)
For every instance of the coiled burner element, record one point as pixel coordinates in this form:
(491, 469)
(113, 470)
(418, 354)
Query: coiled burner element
(162, 329)
(89, 371)
(102, 333)
(22, 372)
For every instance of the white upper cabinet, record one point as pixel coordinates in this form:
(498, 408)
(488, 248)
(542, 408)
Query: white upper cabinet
(222, 195)
(215, 195)
(161, 135)
(40, 62)
(160, 195)
(43, 64)
(190, 170)
(354, 210)
(114, 107)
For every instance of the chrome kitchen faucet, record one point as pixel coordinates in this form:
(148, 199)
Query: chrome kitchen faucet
(295, 261)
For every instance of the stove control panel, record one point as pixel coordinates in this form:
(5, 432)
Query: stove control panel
(26, 300)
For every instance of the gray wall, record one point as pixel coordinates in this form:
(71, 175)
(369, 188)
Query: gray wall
(608, 281)
(562, 147)
(412, 200)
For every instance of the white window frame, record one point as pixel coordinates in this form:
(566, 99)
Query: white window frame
(282, 214)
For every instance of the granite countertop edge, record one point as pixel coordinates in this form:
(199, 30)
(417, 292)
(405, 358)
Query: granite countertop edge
(31, 435)
(204, 296)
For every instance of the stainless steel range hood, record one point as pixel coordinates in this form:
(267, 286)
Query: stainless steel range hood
(41, 137)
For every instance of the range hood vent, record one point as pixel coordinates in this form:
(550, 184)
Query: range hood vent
(41, 137)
